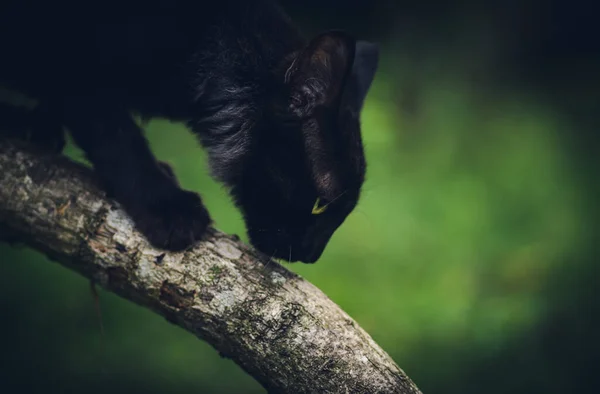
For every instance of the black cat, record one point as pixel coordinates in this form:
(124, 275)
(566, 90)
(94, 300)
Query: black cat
(278, 115)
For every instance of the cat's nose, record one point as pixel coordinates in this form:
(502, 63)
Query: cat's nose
(312, 250)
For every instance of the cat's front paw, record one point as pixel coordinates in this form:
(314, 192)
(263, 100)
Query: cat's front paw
(173, 222)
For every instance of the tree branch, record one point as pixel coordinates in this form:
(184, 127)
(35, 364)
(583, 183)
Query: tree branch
(278, 327)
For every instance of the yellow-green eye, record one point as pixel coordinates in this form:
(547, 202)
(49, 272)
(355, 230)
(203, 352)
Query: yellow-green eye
(319, 208)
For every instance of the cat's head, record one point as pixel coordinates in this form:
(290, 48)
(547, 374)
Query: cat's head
(308, 167)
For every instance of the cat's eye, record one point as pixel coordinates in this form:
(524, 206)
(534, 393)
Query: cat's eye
(320, 206)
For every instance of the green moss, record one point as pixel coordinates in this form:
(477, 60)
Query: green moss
(215, 272)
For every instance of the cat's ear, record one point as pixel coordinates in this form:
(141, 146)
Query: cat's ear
(366, 61)
(317, 75)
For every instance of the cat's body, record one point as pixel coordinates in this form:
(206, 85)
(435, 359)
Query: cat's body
(278, 115)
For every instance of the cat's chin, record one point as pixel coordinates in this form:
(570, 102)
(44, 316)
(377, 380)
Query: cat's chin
(289, 252)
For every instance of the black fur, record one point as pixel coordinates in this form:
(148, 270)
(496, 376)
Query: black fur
(278, 115)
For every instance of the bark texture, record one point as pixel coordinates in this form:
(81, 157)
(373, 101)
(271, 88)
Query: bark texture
(275, 325)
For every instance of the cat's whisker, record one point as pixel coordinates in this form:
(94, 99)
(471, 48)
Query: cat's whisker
(340, 195)
(270, 260)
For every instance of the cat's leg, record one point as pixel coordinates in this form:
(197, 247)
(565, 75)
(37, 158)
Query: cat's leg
(39, 126)
(169, 217)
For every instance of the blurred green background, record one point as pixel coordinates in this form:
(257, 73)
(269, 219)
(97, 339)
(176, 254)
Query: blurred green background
(472, 257)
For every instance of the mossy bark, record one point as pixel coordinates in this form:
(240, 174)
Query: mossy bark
(275, 325)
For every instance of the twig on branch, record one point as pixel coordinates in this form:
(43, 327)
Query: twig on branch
(278, 327)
